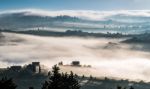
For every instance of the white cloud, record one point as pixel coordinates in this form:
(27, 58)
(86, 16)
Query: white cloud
(88, 14)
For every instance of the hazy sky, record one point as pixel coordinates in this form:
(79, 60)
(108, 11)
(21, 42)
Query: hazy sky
(75, 4)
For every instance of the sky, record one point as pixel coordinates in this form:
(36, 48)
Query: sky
(75, 4)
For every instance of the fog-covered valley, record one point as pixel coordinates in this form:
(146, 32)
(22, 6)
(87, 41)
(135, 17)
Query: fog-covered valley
(109, 45)
(108, 57)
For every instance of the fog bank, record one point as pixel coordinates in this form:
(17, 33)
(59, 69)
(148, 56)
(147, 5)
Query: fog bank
(108, 57)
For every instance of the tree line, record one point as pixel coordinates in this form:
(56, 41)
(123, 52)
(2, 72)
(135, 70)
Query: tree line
(56, 80)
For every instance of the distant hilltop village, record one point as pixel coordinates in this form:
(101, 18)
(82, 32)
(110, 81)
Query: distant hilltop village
(37, 68)
(34, 67)
(74, 64)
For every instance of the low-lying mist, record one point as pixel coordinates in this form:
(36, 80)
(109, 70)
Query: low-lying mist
(108, 57)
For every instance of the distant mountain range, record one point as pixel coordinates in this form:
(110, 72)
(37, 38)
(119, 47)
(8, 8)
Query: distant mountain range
(82, 20)
(20, 20)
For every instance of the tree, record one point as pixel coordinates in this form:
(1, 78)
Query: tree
(31, 87)
(59, 80)
(91, 77)
(131, 87)
(7, 83)
(119, 87)
(83, 76)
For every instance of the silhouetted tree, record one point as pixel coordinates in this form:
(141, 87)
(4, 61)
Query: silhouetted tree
(7, 84)
(91, 77)
(59, 80)
(119, 87)
(31, 87)
(131, 87)
(124, 88)
(83, 76)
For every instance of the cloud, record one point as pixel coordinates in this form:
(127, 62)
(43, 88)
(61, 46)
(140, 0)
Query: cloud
(85, 14)
(106, 59)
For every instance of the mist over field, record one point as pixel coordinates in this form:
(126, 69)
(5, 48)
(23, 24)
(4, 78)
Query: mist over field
(116, 59)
